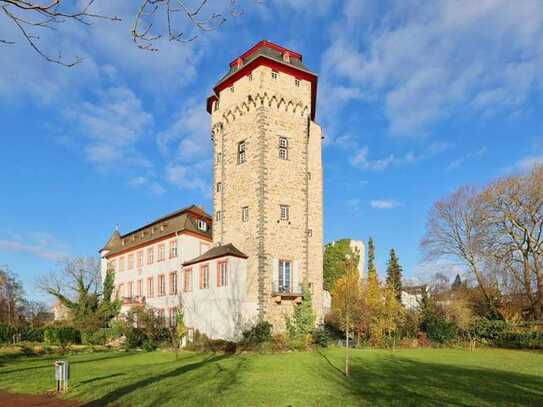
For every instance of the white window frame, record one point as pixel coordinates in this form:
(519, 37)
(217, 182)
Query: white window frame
(284, 278)
(245, 214)
(297, 82)
(284, 212)
(202, 225)
(283, 148)
(274, 74)
(242, 157)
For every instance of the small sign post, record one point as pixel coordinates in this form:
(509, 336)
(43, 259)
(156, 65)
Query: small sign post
(62, 375)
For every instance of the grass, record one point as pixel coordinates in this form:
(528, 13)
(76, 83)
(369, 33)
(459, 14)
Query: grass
(486, 377)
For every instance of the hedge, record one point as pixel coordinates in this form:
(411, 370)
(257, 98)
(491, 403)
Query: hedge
(8, 333)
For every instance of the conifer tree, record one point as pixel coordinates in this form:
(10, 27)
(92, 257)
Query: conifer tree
(372, 270)
(394, 274)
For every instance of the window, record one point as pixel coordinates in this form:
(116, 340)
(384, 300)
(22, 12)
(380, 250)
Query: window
(202, 225)
(241, 152)
(284, 212)
(150, 288)
(173, 249)
(124, 242)
(150, 255)
(187, 280)
(231, 89)
(219, 186)
(286, 56)
(216, 105)
(173, 283)
(204, 276)
(274, 74)
(285, 275)
(309, 176)
(172, 313)
(130, 261)
(222, 274)
(161, 249)
(161, 316)
(130, 289)
(245, 214)
(120, 293)
(140, 258)
(283, 148)
(250, 76)
(139, 288)
(219, 157)
(310, 232)
(297, 83)
(121, 264)
(218, 216)
(161, 285)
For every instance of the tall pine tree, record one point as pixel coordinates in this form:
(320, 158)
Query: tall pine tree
(394, 274)
(372, 270)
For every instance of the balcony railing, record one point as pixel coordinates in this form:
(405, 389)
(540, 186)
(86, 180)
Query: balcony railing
(292, 289)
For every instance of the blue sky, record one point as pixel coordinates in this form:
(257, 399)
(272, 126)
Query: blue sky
(415, 98)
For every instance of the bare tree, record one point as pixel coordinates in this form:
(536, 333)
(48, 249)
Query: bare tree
(513, 211)
(11, 296)
(455, 231)
(174, 20)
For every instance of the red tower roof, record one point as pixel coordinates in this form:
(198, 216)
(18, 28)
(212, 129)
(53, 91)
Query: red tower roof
(268, 54)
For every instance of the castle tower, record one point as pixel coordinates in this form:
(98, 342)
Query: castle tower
(267, 192)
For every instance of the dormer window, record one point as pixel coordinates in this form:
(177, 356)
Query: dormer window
(202, 225)
(162, 227)
(124, 242)
(286, 56)
(239, 63)
(133, 238)
(274, 74)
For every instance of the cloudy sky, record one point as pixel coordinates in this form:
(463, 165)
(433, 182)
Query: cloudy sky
(416, 98)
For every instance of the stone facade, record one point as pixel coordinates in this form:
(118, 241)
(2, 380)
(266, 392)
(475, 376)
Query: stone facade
(257, 109)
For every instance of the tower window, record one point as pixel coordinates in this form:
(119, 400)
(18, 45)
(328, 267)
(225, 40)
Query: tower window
(283, 148)
(219, 157)
(219, 186)
(241, 152)
(297, 83)
(218, 216)
(274, 74)
(245, 214)
(284, 212)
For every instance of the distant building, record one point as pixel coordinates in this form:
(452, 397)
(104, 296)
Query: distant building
(412, 296)
(60, 312)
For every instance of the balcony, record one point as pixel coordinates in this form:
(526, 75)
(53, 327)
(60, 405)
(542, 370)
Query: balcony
(287, 291)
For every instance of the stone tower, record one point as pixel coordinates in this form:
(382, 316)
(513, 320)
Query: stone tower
(267, 192)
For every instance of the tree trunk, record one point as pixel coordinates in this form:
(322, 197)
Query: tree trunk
(347, 349)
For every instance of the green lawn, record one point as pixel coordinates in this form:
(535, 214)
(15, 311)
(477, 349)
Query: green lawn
(486, 377)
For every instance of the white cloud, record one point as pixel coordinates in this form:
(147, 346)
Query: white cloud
(361, 157)
(460, 161)
(111, 127)
(41, 245)
(425, 61)
(186, 177)
(384, 204)
(526, 164)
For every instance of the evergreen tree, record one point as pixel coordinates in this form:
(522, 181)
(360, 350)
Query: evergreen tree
(457, 283)
(372, 270)
(394, 274)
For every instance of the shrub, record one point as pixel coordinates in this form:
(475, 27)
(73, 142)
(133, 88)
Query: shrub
(261, 332)
(520, 340)
(221, 345)
(440, 330)
(490, 329)
(62, 336)
(149, 345)
(321, 336)
(6, 333)
(279, 343)
(135, 337)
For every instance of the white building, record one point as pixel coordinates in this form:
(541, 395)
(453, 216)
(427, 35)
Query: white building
(147, 261)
